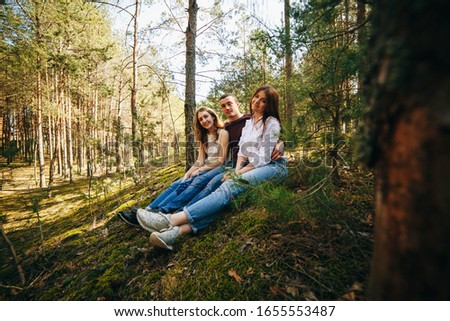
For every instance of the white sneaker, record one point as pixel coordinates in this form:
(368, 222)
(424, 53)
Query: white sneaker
(152, 221)
(166, 238)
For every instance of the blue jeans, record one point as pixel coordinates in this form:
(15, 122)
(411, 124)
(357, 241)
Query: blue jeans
(205, 211)
(213, 184)
(180, 193)
(155, 204)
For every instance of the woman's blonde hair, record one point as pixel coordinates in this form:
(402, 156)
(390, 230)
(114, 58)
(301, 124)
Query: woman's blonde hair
(200, 132)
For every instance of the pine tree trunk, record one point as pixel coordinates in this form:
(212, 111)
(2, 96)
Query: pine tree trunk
(104, 139)
(9, 138)
(161, 129)
(58, 142)
(62, 101)
(361, 36)
(81, 139)
(119, 133)
(53, 151)
(50, 136)
(35, 151)
(410, 117)
(40, 135)
(288, 66)
(189, 102)
(93, 144)
(109, 135)
(5, 133)
(80, 146)
(58, 125)
(134, 110)
(49, 117)
(69, 134)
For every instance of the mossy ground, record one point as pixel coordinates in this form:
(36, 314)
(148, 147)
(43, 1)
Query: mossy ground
(277, 245)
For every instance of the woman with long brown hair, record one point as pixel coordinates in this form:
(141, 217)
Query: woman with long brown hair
(213, 140)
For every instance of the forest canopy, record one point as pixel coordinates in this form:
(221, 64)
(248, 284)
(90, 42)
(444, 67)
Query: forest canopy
(83, 98)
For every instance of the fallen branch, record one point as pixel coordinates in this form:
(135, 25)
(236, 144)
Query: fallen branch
(302, 271)
(11, 287)
(13, 253)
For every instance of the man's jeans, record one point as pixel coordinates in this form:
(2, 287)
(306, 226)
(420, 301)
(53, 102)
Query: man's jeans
(205, 211)
(180, 194)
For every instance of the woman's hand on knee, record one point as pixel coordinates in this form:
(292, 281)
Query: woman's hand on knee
(226, 177)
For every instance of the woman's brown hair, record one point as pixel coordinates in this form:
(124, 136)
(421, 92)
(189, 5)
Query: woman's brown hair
(200, 132)
(272, 99)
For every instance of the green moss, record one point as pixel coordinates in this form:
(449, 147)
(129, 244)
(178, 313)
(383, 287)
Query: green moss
(261, 249)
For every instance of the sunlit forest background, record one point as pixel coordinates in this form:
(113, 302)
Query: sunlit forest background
(87, 100)
(96, 106)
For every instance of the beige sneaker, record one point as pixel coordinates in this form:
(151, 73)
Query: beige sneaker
(152, 221)
(166, 238)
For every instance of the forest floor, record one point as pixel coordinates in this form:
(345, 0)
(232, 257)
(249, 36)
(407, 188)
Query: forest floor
(305, 240)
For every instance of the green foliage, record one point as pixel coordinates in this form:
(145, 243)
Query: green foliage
(248, 71)
(314, 198)
(3, 218)
(327, 81)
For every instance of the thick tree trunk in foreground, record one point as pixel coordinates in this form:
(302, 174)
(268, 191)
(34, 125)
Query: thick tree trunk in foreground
(411, 117)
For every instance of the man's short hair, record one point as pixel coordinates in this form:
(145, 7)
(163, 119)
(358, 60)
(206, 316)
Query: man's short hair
(228, 95)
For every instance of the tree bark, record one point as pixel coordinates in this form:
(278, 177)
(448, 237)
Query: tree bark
(62, 102)
(189, 102)
(360, 19)
(69, 133)
(361, 36)
(410, 126)
(54, 153)
(8, 136)
(40, 135)
(134, 111)
(81, 139)
(119, 134)
(288, 67)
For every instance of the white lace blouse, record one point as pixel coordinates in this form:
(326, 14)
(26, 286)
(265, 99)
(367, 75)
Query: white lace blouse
(258, 140)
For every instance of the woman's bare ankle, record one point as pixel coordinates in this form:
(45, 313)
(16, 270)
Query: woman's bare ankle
(178, 219)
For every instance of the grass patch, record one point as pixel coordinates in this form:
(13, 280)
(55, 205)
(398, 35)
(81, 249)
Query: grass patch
(285, 242)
